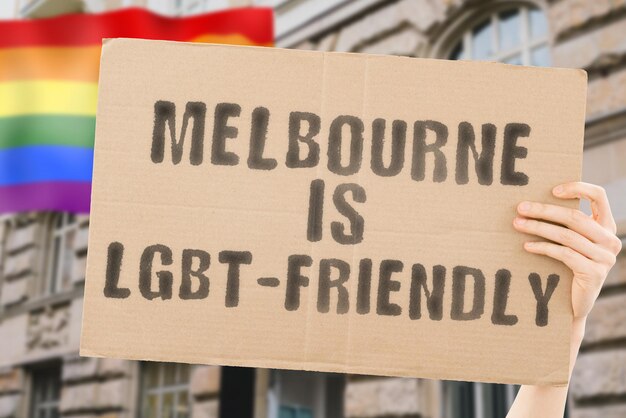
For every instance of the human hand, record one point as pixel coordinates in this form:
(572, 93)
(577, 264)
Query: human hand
(586, 244)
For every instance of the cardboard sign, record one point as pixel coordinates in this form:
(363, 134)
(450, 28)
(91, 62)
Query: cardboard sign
(333, 212)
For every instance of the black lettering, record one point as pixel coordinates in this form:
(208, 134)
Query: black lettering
(204, 260)
(234, 259)
(541, 317)
(386, 286)
(357, 223)
(316, 211)
(258, 136)
(459, 276)
(501, 298)
(511, 152)
(364, 286)
(335, 138)
(145, 272)
(483, 162)
(222, 131)
(398, 140)
(115, 254)
(325, 284)
(420, 148)
(165, 113)
(434, 298)
(295, 280)
(295, 138)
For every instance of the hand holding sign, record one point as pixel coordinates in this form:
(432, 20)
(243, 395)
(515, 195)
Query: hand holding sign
(588, 244)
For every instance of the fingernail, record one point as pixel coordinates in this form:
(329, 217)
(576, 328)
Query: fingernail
(524, 207)
(529, 244)
(520, 221)
(558, 190)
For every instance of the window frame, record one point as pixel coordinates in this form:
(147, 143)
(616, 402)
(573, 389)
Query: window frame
(5, 230)
(51, 277)
(52, 375)
(299, 410)
(161, 390)
(526, 45)
(462, 24)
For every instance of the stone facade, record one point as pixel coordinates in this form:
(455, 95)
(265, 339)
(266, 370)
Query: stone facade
(383, 397)
(588, 34)
(38, 328)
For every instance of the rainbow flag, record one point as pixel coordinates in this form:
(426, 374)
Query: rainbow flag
(48, 94)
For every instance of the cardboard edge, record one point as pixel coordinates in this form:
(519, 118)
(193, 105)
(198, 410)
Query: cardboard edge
(581, 76)
(550, 380)
(109, 42)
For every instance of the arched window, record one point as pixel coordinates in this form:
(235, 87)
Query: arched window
(516, 35)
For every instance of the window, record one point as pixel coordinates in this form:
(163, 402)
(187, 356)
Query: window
(513, 36)
(165, 390)
(61, 255)
(477, 400)
(494, 400)
(4, 232)
(45, 393)
(295, 412)
(300, 394)
(459, 399)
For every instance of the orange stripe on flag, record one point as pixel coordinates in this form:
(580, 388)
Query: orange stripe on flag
(234, 39)
(73, 63)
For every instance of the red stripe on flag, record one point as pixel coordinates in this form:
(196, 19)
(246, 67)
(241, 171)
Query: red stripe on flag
(255, 24)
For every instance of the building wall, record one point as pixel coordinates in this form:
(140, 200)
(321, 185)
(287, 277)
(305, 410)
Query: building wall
(38, 329)
(589, 34)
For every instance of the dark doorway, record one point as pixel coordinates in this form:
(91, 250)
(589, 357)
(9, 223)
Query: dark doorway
(237, 392)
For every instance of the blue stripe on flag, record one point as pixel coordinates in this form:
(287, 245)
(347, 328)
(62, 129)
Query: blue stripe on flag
(45, 163)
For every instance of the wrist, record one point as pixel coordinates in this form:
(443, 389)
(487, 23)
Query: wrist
(578, 331)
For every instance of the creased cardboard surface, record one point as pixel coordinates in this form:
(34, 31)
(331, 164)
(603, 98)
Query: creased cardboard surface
(142, 199)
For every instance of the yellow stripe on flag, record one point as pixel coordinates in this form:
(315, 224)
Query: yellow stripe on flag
(46, 96)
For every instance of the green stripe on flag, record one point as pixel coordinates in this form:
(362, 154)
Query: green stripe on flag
(17, 131)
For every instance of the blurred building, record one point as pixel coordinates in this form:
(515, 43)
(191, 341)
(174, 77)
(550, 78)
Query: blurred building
(42, 255)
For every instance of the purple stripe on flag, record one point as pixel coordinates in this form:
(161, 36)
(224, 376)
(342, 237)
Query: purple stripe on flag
(65, 196)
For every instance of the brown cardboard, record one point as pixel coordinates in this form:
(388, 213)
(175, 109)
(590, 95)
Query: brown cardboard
(141, 198)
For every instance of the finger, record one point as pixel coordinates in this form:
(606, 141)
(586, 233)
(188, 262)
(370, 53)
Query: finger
(600, 208)
(572, 218)
(575, 261)
(566, 237)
